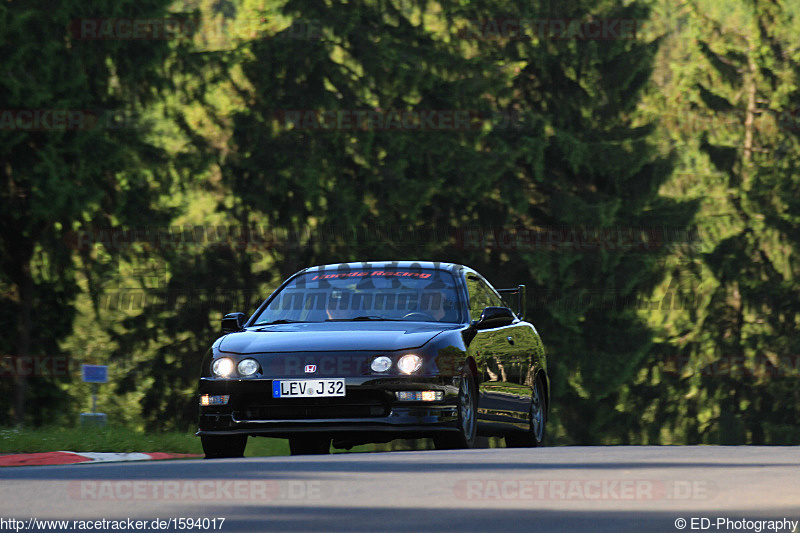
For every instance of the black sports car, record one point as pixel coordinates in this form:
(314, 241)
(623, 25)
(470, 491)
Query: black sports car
(370, 352)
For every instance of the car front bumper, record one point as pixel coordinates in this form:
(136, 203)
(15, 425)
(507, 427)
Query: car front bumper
(369, 406)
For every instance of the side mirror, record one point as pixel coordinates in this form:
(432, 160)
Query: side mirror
(495, 317)
(232, 322)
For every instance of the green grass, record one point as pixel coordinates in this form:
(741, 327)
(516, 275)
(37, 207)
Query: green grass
(117, 439)
(122, 440)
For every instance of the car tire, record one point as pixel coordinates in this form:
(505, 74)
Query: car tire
(223, 446)
(309, 445)
(467, 416)
(537, 414)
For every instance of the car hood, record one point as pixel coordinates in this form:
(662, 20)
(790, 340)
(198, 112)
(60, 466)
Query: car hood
(332, 337)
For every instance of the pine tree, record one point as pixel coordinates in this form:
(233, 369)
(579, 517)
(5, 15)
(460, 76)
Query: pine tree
(752, 74)
(55, 179)
(591, 174)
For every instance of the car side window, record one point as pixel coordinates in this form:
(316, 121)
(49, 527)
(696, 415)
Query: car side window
(480, 297)
(496, 301)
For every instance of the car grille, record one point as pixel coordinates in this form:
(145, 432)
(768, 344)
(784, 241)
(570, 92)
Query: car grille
(364, 405)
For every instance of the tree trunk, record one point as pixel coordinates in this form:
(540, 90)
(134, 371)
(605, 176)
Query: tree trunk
(24, 339)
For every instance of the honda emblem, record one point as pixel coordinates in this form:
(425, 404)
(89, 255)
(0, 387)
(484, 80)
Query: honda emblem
(310, 369)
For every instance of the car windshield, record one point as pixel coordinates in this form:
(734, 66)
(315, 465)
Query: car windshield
(421, 295)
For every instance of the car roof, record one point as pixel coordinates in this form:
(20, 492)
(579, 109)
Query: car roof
(451, 267)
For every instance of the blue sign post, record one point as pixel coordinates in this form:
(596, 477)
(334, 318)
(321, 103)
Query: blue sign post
(94, 374)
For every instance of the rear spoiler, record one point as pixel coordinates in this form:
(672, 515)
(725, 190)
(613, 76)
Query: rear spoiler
(520, 292)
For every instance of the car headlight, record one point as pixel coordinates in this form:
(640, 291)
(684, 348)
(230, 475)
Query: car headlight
(247, 367)
(409, 364)
(222, 367)
(381, 364)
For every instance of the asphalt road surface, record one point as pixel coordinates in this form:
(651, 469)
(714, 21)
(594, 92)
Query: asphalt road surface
(568, 489)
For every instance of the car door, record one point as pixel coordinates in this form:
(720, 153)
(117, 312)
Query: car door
(501, 362)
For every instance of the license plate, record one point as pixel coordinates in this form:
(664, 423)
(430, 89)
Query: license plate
(307, 388)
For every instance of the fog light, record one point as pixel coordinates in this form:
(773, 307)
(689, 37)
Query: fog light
(206, 400)
(429, 396)
(420, 396)
(409, 364)
(381, 364)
